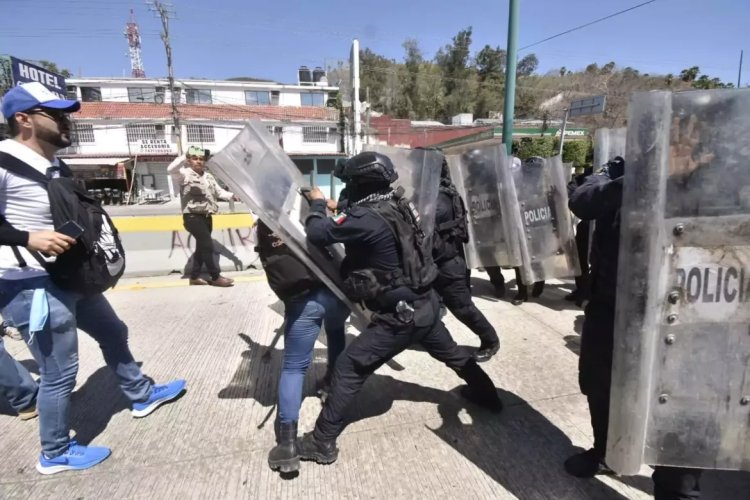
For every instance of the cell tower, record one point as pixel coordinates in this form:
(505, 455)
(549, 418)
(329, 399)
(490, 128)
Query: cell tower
(134, 47)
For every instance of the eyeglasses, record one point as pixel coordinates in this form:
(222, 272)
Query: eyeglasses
(58, 116)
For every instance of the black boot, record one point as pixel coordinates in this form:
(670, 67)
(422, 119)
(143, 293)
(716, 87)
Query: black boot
(480, 390)
(322, 452)
(586, 464)
(521, 296)
(537, 289)
(284, 456)
(486, 351)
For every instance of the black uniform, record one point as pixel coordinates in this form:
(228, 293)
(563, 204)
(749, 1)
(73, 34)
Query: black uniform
(583, 236)
(370, 244)
(452, 282)
(600, 199)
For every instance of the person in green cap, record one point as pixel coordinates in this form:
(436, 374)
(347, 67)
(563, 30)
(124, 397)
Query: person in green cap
(199, 193)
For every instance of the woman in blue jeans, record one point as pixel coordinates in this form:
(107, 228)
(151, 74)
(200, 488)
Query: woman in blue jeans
(308, 305)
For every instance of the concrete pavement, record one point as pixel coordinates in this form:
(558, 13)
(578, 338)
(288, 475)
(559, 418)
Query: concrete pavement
(411, 435)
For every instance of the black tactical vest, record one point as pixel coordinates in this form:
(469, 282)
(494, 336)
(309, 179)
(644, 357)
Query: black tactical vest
(456, 228)
(418, 270)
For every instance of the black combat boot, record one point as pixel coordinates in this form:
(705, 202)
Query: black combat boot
(521, 296)
(322, 452)
(480, 390)
(586, 464)
(486, 351)
(284, 456)
(537, 289)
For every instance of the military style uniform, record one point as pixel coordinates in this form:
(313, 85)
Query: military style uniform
(599, 198)
(389, 268)
(452, 282)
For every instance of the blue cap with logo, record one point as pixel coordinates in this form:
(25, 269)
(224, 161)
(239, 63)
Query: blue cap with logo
(32, 95)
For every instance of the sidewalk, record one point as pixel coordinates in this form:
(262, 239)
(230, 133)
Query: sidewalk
(412, 436)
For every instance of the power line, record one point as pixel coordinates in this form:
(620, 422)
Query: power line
(588, 24)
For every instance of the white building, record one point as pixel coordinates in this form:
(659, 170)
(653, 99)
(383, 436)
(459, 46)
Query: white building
(125, 129)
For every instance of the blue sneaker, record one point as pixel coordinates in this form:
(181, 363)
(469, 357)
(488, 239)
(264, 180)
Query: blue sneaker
(160, 394)
(76, 457)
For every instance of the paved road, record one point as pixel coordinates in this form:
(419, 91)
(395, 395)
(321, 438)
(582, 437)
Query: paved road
(411, 435)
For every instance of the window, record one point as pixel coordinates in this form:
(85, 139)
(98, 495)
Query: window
(196, 96)
(72, 92)
(91, 94)
(255, 97)
(315, 134)
(275, 97)
(176, 95)
(139, 132)
(83, 133)
(138, 94)
(313, 99)
(200, 134)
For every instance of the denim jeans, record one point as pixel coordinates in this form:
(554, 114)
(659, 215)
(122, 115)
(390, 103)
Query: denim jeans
(55, 349)
(16, 384)
(303, 316)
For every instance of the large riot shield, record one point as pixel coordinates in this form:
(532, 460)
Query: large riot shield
(547, 241)
(476, 172)
(258, 171)
(681, 376)
(608, 143)
(419, 175)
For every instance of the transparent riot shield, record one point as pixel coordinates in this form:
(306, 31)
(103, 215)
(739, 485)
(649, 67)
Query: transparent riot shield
(476, 171)
(258, 171)
(681, 376)
(608, 143)
(419, 175)
(547, 242)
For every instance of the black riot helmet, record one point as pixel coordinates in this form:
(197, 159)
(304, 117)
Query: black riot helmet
(534, 162)
(367, 168)
(616, 167)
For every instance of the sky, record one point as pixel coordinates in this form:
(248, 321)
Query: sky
(219, 39)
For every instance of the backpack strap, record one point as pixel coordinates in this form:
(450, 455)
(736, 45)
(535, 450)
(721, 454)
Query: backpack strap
(23, 169)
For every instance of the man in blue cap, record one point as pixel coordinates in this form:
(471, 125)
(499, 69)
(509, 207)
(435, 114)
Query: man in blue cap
(46, 315)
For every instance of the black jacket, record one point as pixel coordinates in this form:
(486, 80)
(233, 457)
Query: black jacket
(600, 199)
(287, 275)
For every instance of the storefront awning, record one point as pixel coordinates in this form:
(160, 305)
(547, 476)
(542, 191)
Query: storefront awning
(94, 161)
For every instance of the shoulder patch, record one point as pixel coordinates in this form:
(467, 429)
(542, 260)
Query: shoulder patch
(339, 219)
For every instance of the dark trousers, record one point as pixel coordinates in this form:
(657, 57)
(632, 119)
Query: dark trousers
(452, 285)
(523, 289)
(582, 245)
(595, 377)
(383, 339)
(496, 275)
(200, 227)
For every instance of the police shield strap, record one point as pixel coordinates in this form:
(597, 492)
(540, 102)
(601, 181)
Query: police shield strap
(476, 172)
(258, 171)
(419, 174)
(547, 240)
(681, 378)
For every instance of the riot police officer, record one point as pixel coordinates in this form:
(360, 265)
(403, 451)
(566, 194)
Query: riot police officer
(452, 282)
(389, 268)
(599, 198)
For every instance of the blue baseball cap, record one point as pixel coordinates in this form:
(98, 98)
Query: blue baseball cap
(32, 95)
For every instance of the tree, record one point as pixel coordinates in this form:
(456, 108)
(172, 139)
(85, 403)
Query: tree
(527, 65)
(52, 68)
(460, 80)
(563, 71)
(669, 79)
(491, 63)
(689, 74)
(608, 68)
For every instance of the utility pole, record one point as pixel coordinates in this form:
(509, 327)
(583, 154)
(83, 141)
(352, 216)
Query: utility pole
(356, 105)
(161, 9)
(367, 123)
(739, 75)
(510, 76)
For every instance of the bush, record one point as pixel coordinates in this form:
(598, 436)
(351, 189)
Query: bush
(580, 152)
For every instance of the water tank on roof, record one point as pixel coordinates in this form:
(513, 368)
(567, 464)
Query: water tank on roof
(318, 73)
(305, 76)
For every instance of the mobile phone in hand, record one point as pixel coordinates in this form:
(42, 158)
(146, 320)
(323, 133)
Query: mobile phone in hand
(72, 229)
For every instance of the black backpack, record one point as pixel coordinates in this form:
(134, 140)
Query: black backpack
(97, 260)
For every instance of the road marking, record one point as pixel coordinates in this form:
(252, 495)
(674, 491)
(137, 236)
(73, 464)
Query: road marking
(177, 283)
